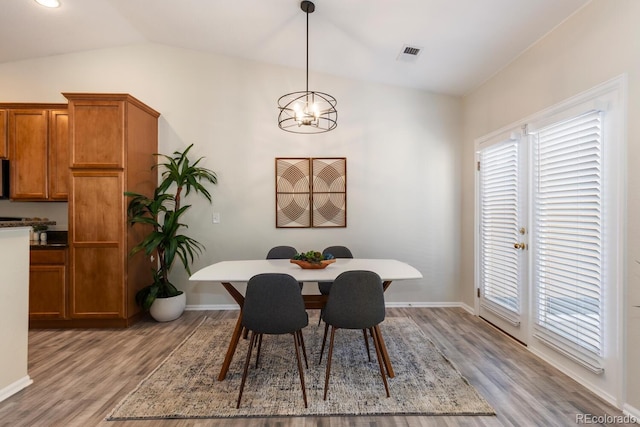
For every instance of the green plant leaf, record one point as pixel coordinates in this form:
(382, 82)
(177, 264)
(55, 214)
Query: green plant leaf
(163, 212)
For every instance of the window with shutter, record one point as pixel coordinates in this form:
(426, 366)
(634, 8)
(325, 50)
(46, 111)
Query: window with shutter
(499, 194)
(568, 237)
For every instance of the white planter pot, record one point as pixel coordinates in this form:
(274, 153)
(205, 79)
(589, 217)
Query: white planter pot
(167, 309)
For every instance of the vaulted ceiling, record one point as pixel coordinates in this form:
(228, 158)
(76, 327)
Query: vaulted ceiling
(462, 42)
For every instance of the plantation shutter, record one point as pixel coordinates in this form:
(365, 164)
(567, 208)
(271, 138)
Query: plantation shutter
(568, 238)
(499, 272)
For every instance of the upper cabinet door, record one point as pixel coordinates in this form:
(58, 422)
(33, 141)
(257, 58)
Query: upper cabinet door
(97, 137)
(4, 146)
(28, 131)
(59, 174)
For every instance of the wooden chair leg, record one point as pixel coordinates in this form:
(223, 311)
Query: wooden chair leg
(246, 368)
(304, 349)
(324, 340)
(366, 343)
(304, 389)
(328, 370)
(383, 374)
(259, 348)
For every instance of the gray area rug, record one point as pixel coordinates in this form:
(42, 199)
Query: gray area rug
(185, 384)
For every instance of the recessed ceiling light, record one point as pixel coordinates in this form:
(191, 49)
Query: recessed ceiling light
(48, 3)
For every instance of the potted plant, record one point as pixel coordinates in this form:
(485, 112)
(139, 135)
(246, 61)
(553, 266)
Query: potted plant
(312, 259)
(163, 213)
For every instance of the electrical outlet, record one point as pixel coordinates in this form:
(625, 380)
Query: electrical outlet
(216, 217)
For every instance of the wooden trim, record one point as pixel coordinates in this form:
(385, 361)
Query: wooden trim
(111, 97)
(314, 301)
(32, 106)
(4, 127)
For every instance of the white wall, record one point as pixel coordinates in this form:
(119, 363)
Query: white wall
(55, 211)
(598, 43)
(14, 310)
(402, 149)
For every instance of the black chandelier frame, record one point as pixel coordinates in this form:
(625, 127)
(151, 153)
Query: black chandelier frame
(292, 118)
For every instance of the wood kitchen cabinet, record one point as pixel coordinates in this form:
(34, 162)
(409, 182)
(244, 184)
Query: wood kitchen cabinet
(28, 146)
(37, 137)
(4, 145)
(59, 174)
(112, 141)
(47, 284)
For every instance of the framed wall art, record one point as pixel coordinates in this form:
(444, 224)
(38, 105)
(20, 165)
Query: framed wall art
(311, 192)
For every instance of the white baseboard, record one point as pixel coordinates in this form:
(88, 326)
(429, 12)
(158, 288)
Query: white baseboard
(468, 308)
(217, 307)
(211, 307)
(604, 395)
(631, 412)
(425, 305)
(15, 387)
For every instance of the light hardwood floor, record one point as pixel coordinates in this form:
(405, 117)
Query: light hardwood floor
(80, 375)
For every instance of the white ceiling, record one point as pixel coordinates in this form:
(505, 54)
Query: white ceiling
(464, 42)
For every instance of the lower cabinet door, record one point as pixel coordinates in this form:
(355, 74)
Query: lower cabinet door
(97, 288)
(47, 292)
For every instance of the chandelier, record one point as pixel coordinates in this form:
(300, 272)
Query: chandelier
(307, 111)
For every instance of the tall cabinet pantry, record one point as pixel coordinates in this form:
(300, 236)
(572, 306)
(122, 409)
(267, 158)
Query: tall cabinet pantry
(113, 139)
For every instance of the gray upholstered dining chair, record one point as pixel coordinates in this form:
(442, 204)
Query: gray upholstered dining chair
(273, 305)
(337, 252)
(356, 301)
(281, 252)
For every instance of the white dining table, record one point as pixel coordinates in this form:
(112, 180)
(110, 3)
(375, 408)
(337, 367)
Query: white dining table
(230, 272)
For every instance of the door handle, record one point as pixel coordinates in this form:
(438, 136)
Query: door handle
(522, 246)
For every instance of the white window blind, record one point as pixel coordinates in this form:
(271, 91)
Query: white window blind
(499, 229)
(568, 237)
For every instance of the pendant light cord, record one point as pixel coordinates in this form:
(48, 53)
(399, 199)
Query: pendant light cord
(307, 12)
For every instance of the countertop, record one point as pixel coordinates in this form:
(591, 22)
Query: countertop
(55, 239)
(25, 223)
(48, 245)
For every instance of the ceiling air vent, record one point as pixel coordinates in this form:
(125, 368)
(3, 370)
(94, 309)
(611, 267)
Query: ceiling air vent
(409, 53)
(411, 50)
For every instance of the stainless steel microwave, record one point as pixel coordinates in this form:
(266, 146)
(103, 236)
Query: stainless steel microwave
(4, 179)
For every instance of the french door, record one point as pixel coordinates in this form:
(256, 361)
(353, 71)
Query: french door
(503, 244)
(550, 227)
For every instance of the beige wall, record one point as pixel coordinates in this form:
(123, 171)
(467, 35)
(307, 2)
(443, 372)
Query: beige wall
(14, 310)
(402, 149)
(410, 154)
(598, 43)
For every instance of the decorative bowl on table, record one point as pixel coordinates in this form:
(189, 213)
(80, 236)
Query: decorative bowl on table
(310, 265)
(312, 260)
